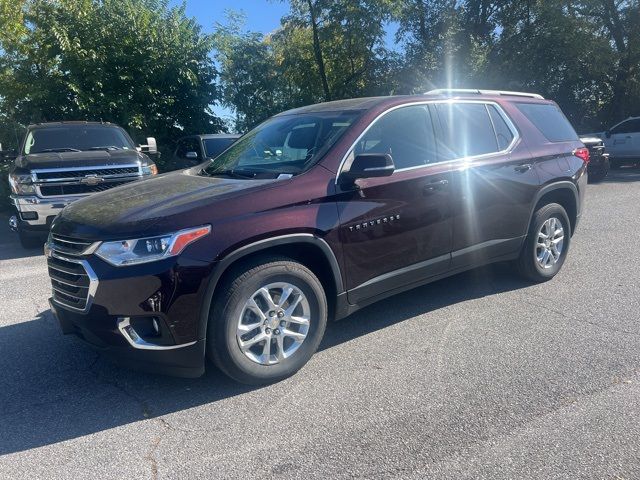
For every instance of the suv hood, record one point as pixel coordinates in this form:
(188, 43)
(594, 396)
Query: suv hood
(161, 204)
(80, 159)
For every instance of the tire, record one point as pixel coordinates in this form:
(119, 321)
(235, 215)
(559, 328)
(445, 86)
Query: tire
(252, 365)
(30, 242)
(528, 263)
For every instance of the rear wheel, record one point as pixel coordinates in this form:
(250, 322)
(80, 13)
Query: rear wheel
(269, 322)
(546, 245)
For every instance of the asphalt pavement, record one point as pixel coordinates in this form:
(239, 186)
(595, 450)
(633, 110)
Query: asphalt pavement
(477, 376)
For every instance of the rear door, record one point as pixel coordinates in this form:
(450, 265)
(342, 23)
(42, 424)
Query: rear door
(494, 181)
(397, 230)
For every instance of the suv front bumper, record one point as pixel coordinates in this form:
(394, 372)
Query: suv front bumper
(36, 213)
(125, 302)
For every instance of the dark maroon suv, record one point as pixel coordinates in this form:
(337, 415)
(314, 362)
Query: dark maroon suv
(313, 214)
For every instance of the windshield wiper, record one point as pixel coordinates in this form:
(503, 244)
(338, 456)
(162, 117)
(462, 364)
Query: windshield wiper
(108, 147)
(229, 173)
(57, 150)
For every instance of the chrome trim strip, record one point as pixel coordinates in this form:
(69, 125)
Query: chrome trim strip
(124, 325)
(510, 124)
(64, 282)
(93, 280)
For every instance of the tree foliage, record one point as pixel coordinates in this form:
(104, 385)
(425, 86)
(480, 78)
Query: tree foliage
(138, 63)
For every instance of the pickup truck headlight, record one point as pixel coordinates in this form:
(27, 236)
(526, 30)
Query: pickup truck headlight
(21, 184)
(150, 169)
(142, 250)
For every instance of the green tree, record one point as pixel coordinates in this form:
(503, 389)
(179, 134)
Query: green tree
(138, 63)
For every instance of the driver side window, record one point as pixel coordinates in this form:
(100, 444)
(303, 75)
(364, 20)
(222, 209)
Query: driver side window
(630, 126)
(406, 134)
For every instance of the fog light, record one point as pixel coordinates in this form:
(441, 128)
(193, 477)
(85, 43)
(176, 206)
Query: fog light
(29, 215)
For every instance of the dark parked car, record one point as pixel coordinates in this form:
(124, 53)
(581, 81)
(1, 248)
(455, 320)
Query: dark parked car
(314, 214)
(598, 159)
(195, 149)
(60, 162)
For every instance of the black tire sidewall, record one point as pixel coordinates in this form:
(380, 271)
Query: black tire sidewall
(233, 361)
(541, 216)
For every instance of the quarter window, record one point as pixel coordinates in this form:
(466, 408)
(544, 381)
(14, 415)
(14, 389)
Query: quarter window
(549, 120)
(405, 133)
(467, 130)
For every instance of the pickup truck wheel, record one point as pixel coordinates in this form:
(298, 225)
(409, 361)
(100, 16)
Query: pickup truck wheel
(30, 242)
(546, 245)
(269, 321)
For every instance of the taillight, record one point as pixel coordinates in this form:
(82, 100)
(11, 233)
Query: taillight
(582, 153)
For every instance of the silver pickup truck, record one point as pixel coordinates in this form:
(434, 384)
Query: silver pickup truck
(63, 161)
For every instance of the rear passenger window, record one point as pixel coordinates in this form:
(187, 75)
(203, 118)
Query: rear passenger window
(406, 134)
(467, 130)
(549, 120)
(504, 135)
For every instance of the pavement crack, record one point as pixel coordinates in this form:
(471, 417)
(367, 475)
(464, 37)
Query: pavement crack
(146, 412)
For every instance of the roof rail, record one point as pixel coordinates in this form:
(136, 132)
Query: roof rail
(475, 91)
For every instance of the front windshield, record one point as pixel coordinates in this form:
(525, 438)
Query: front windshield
(288, 144)
(76, 138)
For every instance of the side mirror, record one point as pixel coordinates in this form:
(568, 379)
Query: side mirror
(607, 133)
(369, 165)
(191, 156)
(151, 147)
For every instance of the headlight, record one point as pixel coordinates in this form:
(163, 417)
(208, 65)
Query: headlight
(150, 249)
(21, 184)
(150, 169)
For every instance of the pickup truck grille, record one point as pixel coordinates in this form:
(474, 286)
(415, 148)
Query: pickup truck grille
(77, 189)
(100, 172)
(83, 181)
(70, 282)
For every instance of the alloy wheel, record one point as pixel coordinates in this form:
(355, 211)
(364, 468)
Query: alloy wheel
(550, 243)
(274, 323)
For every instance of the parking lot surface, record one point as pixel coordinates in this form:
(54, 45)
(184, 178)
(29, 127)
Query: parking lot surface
(477, 376)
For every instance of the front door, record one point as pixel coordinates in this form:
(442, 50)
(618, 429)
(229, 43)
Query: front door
(625, 140)
(396, 230)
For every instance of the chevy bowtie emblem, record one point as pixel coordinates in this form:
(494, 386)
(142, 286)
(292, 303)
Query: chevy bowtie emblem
(92, 180)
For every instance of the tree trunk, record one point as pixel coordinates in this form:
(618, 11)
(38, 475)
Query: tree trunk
(317, 51)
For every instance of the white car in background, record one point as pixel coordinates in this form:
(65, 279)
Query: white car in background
(622, 141)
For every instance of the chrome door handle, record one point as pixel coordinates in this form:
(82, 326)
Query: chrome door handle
(430, 187)
(523, 168)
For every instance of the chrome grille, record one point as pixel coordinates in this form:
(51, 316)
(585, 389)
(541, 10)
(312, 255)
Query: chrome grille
(77, 189)
(73, 282)
(100, 172)
(83, 180)
(71, 246)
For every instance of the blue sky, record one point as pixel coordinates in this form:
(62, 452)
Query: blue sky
(262, 15)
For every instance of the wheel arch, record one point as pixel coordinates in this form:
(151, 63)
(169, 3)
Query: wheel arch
(305, 248)
(564, 193)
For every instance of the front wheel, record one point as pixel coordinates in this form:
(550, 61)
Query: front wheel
(269, 321)
(546, 245)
